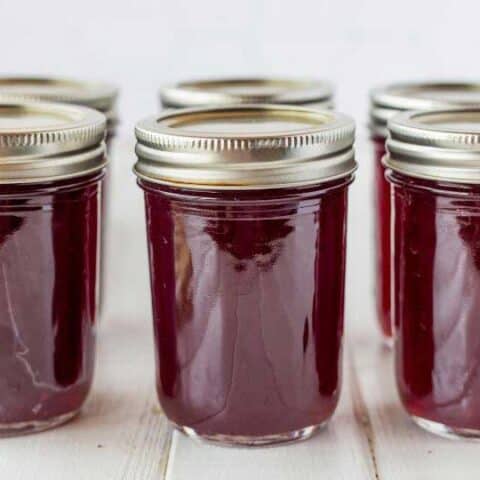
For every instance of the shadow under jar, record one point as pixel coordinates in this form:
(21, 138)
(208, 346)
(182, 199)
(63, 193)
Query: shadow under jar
(385, 103)
(434, 169)
(246, 222)
(52, 160)
(239, 91)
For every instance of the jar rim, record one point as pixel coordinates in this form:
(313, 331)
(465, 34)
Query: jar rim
(97, 95)
(245, 147)
(247, 90)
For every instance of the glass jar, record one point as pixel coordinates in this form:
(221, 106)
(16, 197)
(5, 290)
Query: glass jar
(235, 91)
(51, 170)
(434, 169)
(385, 103)
(246, 220)
(100, 96)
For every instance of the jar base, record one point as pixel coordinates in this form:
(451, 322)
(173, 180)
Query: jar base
(25, 428)
(445, 431)
(252, 441)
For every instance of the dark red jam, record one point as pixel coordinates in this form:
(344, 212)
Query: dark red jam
(48, 268)
(382, 238)
(248, 300)
(437, 299)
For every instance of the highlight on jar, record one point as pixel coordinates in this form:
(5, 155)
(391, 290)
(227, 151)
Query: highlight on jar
(386, 102)
(246, 213)
(433, 166)
(239, 91)
(51, 170)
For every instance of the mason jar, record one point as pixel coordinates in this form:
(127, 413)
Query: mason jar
(246, 222)
(100, 96)
(385, 103)
(434, 169)
(235, 91)
(52, 160)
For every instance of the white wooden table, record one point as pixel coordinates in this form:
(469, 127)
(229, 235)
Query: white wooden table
(122, 433)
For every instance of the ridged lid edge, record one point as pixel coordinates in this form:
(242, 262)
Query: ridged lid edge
(204, 160)
(191, 94)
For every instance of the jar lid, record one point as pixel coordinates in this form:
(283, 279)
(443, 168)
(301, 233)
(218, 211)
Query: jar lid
(231, 91)
(436, 145)
(392, 99)
(48, 141)
(99, 96)
(245, 147)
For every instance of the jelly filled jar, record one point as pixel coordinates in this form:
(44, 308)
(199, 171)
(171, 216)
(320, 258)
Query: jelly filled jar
(100, 96)
(52, 159)
(236, 91)
(434, 169)
(246, 221)
(385, 103)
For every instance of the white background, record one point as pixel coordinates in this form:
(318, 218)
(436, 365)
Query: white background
(143, 44)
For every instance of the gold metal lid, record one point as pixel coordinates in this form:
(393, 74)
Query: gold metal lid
(245, 147)
(392, 99)
(99, 96)
(234, 91)
(436, 145)
(48, 141)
